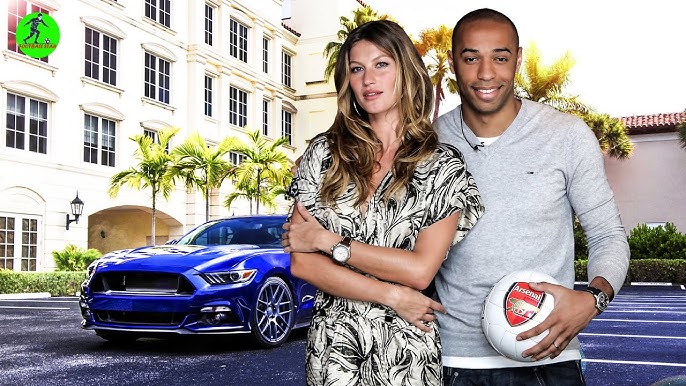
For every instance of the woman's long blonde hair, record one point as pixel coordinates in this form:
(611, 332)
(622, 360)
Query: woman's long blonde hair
(351, 139)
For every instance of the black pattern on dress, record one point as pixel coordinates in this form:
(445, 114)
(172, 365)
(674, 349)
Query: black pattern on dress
(352, 342)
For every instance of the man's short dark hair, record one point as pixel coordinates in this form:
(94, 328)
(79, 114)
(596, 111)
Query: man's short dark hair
(484, 14)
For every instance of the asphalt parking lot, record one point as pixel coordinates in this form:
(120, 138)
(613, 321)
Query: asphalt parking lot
(640, 340)
(42, 344)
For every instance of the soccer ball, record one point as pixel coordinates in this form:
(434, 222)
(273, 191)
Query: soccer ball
(47, 40)
(512, 307)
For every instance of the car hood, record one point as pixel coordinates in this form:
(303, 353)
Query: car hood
(178, 257)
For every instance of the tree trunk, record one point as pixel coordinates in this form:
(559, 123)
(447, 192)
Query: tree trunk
(207, 204)
(154, 195)
(257, 199)
(437, 101)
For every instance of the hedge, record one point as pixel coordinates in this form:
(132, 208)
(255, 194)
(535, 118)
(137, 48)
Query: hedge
(58, 283)
(644, 270)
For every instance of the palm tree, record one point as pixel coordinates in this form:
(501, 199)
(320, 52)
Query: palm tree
(360, 16)
(152, 170)
(611, 133)
(263, 170)
(435, 43)
(545, 84)
(201, 166)
(682, 134)
(267, 195)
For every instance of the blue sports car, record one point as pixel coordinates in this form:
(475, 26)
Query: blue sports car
(225, 276)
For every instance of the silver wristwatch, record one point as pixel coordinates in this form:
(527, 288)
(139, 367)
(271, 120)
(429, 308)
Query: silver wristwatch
(601, 298)
(340, 252)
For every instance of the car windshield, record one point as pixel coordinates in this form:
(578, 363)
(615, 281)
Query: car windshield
(265, 232)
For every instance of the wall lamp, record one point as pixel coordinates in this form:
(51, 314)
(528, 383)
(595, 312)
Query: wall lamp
(76, 210)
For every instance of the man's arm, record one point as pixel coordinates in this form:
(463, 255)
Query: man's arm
(593, 201)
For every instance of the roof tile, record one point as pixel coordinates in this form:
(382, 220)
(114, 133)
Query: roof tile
(654, 123)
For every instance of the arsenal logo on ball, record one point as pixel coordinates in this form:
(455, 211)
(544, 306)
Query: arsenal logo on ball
(522, 303)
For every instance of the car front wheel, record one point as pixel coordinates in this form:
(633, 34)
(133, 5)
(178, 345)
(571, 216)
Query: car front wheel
(273, 315)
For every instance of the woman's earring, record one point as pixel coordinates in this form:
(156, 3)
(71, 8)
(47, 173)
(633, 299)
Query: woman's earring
(355, 107)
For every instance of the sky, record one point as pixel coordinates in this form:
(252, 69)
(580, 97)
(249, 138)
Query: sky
(630, 55)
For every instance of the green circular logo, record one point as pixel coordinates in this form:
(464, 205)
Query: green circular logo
(37, 35)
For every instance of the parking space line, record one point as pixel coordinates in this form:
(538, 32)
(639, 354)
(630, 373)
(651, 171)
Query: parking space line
(635, 362)
(644, 311)
(36, 308)
(640, 321)
(37, 301)
(633, 336)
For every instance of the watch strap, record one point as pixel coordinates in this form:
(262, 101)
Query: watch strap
(345, 241)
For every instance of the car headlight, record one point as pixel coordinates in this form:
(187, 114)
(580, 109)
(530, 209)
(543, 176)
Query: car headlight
(230, 277)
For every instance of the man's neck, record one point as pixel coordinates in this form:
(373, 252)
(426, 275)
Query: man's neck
(493, 124)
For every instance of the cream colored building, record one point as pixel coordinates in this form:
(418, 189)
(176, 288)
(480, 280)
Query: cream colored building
(136, 66)
(650, 187)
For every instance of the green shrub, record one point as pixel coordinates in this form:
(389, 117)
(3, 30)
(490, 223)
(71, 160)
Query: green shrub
(580, 270)
(658, 270)
(644, 270)
(55, 283)
(580, 242)
(73, 258)
(657, 243)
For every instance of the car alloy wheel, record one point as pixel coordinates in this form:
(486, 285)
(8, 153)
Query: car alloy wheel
(274, 313)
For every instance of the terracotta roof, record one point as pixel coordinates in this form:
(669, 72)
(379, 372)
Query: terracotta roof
(655, 123)
(291, 30)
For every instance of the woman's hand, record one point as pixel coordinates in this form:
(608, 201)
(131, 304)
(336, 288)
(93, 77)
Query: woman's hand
(307, 235)
(414, 307)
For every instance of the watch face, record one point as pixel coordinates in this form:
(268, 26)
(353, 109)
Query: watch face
(340, 253)
(602, 300)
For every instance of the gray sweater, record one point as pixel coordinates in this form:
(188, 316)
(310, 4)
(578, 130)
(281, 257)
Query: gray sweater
(544, 168)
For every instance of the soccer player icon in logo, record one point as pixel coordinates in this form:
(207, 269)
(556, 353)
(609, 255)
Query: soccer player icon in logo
(35, 22)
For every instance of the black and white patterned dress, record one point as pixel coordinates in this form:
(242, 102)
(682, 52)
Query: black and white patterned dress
(352, 342)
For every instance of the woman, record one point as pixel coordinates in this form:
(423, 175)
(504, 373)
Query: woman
(384, 199)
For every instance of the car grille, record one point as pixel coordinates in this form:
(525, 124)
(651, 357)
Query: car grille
(142, 283)
(148, 318)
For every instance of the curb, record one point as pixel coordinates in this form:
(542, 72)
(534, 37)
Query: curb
(36, 295)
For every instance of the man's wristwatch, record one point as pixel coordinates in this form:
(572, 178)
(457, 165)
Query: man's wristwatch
(341, 250)
(601, 298)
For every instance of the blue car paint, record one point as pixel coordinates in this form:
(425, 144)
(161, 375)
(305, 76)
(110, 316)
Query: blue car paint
(191, 261)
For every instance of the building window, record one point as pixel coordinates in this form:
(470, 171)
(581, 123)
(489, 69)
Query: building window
(286, 69)
(238, 41)
(265, 55)
(16, 10)
(18, 243)
(287, 126)
(101, 56)
(209, 20)
(157, 78)
(152, 134)
(208, 95)
(18, 118)
(159, 11)
(155, 138)
(236, 158)
(238, 107)
(265, 117)
(98, 140)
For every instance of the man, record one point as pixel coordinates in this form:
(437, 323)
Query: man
(535, 168)
(35, 22)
